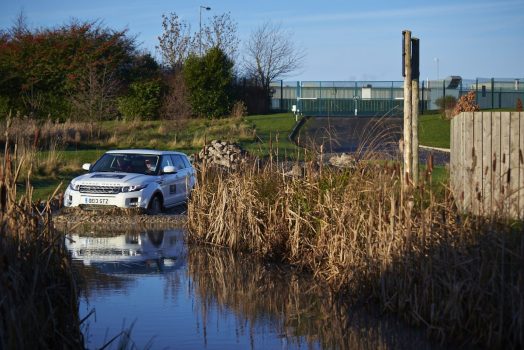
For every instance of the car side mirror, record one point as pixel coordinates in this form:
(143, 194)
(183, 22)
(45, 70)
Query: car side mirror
(169, 169)
(86, 166)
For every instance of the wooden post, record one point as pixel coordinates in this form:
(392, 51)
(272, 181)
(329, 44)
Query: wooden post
(415, 100)
(407, 110)
(414, 129)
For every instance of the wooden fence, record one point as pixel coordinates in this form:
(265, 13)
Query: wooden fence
(487, 163)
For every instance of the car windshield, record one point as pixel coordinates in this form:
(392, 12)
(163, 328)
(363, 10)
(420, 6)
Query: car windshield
(146, 164)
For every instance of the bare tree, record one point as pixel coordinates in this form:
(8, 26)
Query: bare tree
(271, 54)
(175, 105)
(94, 98)
(221, 33)
(176, 42)
(19, 26)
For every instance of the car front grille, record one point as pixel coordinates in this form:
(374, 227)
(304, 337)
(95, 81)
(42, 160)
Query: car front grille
(100, 189)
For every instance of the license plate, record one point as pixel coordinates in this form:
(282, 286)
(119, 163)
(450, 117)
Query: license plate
(96, 200)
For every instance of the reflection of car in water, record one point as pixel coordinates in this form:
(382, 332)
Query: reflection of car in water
(144, 252)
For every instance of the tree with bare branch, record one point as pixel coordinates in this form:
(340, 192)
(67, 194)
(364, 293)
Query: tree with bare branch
(221, 33)
(176, 42)
(271, 54)
(94, 98)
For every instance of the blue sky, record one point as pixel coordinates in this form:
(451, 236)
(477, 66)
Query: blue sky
(343, 40)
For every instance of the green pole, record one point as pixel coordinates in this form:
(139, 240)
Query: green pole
(391, 97)
(320, 97)
(477, 91)
(281, 96)
(422, 99)
(443, 89)
(298, 97)
(492, 92)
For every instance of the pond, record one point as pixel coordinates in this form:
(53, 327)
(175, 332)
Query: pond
(166, 294)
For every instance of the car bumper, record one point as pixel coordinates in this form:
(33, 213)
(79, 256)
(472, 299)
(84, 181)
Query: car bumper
(136, 199)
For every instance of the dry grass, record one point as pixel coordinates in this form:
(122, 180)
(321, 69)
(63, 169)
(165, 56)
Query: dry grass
(38, 295)
(460, 277)
(43, 134)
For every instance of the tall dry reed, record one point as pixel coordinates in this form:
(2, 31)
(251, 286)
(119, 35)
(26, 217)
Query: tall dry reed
(460, 277)
(43, 134)
(38, 295)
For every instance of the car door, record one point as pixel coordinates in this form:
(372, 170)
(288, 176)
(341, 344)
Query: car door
(168, 182)
(181, 174)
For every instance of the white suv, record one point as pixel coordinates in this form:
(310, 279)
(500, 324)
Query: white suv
(136, 178)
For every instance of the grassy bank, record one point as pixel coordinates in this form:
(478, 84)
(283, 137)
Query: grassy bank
(38, 295)
(55, 152)
(355, 229)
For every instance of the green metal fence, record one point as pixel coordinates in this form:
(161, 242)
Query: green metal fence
(379, 98)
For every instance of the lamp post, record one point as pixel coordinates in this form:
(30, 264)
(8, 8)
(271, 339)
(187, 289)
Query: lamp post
(207, 8)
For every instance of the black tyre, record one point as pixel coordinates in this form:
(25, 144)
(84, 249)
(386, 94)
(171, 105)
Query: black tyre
(155, 205)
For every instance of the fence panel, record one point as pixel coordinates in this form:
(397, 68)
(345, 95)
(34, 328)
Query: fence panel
(468, 159)
(477, 164)
(487, 162)
(495, 146)
(521, 168)
(514, 164)
(504, 149)
(487, 165)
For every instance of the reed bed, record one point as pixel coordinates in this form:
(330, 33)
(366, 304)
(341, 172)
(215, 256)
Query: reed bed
(45, 134)
(38, 294)
(460, 277)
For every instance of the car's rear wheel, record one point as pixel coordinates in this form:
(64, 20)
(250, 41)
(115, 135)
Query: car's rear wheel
(155, 205)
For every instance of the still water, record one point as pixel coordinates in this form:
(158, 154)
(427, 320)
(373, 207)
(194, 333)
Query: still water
(168, 295)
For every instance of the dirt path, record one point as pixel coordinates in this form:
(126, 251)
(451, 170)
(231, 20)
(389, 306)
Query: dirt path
(360, 135)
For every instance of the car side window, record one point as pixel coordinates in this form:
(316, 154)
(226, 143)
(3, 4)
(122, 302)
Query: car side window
(186, 162)
(178, 162)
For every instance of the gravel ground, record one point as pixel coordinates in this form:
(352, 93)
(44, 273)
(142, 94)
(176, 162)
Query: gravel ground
(71, 220)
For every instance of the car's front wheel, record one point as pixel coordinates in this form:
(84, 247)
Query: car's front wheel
(155, 205)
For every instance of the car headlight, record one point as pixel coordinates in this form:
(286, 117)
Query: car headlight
(74, 186)
(133, 188)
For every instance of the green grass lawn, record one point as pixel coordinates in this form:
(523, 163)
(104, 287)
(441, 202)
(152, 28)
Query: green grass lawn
(271, 133)
(434, 131)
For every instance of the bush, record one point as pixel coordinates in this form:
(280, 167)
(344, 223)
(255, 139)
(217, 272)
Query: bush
(519, 105)
(4, 106)
(466, 103)
(42, 68)
(143, 100)
(209, 80)
(239, 110)
(446, 104)
(175, 104)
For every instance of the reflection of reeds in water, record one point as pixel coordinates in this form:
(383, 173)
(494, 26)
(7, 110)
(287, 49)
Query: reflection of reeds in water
(461, 277)
(38, 296)
(299, 309)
